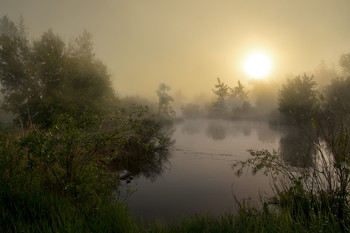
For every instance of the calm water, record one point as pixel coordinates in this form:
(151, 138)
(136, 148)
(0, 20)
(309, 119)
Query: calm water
(198, 178)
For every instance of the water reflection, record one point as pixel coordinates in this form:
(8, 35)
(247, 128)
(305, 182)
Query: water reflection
(297, 148)
(295, 143)
(216, 130)
(191, 127)
(147, 156)
(219, 130)
(148, 165)
(247, 131)
(201, 178)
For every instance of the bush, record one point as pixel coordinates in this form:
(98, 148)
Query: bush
(307, 194)
(70, 163)
(298, 101)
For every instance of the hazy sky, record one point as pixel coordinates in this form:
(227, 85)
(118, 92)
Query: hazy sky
(188, 43)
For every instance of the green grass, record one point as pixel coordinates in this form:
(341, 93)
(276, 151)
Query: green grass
(46, 212)
(250, 220)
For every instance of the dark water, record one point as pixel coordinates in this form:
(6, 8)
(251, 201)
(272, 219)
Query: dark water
(197, 176)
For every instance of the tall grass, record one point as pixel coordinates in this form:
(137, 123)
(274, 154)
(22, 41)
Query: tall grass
(51, 213)
(249, 219)
(47, 212)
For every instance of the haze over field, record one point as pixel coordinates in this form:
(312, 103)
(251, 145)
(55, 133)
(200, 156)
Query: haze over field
(187, 44)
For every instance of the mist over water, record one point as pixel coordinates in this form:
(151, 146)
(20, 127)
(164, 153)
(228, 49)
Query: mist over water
(198, 177)
(159, 70)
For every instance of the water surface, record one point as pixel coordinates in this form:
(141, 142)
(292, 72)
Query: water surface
(198, 177)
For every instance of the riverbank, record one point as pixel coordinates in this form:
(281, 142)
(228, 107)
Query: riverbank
(43, 212)
(56, 180)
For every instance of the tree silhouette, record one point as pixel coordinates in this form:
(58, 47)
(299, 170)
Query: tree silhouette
(44, 79)
(344, 63)
(298, 99)
(164, 106)
(221, 90)
(239, 91)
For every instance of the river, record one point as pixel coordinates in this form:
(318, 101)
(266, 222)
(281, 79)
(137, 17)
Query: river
(197, 176)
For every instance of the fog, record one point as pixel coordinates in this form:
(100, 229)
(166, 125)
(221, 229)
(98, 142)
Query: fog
(162, 103)
(188, 44)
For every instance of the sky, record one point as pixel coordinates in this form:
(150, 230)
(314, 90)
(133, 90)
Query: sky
(187, 44)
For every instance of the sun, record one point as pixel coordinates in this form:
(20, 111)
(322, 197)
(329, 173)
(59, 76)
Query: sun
(257, 65)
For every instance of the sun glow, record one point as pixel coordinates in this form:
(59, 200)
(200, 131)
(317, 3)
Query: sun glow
(257, 65)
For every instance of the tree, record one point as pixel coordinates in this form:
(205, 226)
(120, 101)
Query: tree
(298, 99)
(337, 97)
(324, 73)
(221, 90)
(239, 91)
(336, 101)
(15, 66)
(49, 60)
(46, 79)
(88, 87)
(344, 63)
(9, 28)
(164, 107)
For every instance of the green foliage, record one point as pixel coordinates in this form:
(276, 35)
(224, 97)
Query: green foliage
(250, 219)
(321, 188)
(43, 79)
(74, 161)
(10, 29)
(61, 179)
(337, 97)
(298, 101)
(14, 66)
(42, 191)
(46, 212)
(143, 146)
(307, 194)
(317, 189)
(49, 213)
(263, 161)
(131, 103)
(64, 159)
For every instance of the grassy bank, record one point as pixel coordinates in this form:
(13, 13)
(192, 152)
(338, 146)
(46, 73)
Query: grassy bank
(59, 180)
(43, 212)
